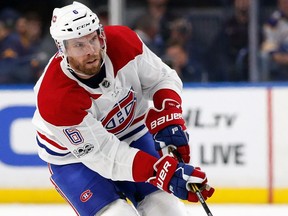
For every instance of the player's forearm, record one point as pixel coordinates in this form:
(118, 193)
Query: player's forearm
(133, 165)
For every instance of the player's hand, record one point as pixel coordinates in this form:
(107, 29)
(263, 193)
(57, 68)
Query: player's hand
(173, 136)
(176, 178)
(168, 128)
(205, 189)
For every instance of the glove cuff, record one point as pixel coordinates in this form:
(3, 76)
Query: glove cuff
(170, 114)
(143, 166)
(163, 94)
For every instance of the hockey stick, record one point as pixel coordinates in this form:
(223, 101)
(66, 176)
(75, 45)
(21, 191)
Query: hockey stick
(193, 187)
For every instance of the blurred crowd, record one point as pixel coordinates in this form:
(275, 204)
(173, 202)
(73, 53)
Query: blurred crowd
(26, 46)
(23, 54)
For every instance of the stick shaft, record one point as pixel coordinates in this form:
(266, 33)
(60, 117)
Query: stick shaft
(193, 187)
(201, 199)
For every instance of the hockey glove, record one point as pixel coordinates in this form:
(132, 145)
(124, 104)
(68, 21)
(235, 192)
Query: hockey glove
(168, 128)
(175, 178)
(173, 136)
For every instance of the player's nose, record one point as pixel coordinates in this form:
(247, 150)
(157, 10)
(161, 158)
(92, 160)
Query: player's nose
(90, 49)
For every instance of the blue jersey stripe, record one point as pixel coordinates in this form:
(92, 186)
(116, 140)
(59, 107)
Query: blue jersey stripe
(49, 151)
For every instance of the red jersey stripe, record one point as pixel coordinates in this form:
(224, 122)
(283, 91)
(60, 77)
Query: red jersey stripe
(51, 141)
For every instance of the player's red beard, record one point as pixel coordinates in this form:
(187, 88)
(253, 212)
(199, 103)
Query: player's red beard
(90, 66)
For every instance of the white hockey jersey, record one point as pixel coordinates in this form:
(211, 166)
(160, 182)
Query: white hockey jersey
(94, 126)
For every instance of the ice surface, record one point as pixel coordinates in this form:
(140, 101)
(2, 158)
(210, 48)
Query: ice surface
(193, 210)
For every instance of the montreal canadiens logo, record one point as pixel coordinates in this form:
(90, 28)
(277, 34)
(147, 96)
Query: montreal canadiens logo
(122, 114)
(86, 195)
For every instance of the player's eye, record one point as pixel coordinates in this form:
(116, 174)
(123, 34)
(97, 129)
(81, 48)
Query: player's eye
(78, 45)
(94, 39)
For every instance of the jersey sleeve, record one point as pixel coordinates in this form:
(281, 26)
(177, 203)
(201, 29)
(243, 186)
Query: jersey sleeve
(155, 75)
(99, 150)
(91, 144)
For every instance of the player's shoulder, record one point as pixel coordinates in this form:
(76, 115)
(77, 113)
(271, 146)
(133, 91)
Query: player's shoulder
(61, 101)
(119, 31)
(123, 45)
(122, 38)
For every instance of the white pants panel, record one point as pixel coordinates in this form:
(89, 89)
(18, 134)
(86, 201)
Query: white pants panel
(161, 203)
(118, 208)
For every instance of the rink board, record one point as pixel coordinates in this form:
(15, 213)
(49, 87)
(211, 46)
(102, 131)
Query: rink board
(238, 136)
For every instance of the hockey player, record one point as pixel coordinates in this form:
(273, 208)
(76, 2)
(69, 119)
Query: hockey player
(94, 126)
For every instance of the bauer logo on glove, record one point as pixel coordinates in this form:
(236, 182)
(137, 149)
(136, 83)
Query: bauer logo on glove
(176, 177)
(168, 128)
(163, 174)
(170, 114)
(165, 120)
